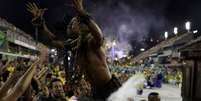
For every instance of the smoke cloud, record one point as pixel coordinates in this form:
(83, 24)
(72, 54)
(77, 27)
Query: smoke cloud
(127, 20)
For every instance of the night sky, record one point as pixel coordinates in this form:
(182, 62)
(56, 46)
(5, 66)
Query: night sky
(126, 19)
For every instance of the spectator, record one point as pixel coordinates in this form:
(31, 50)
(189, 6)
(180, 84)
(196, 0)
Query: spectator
(56, 90)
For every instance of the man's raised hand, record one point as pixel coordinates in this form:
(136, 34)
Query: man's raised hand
(37, 12)
(78, 4)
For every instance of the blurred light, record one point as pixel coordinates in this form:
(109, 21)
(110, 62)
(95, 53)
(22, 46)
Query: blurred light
(195, 31)
(119, 53)
(62, 62)
(175, 30)
(151, 40)
(142, 49)
(116, 59)
(188, 25)
(68, 58)
(107, 45)
(184, 63)
(15, 28)
(114, 43)
(124, 55)
(53, 50)
(52, 56)
(166, 35)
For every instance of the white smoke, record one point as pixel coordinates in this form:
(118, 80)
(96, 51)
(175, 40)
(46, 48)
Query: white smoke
(127, 20)
(128, 89)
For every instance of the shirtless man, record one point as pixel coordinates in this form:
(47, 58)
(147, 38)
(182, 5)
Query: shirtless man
(87, 42)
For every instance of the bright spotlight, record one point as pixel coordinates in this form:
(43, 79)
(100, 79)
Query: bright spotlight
(142, 49)
(175, 30)
(68, 58)
(195, 31)
(166, 35)
(188, 25)
(114, 43)
(53, 50)
(116, 58)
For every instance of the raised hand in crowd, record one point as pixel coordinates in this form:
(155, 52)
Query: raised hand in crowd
(13, 93)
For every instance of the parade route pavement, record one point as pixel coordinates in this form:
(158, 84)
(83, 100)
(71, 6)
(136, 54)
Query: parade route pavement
(167, 93)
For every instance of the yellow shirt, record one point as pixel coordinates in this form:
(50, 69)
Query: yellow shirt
(11, 69)
(63, 80)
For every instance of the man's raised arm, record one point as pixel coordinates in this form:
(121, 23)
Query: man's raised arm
(93, 27)
(8, 84)
(40, 22)
(22, 84)
(38, 19)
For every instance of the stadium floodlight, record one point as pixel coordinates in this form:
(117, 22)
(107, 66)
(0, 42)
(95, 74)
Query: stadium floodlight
(188, 26)
(175, 30)
(195, 31)
(68, 58)
(166, 35)
(142, 49)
